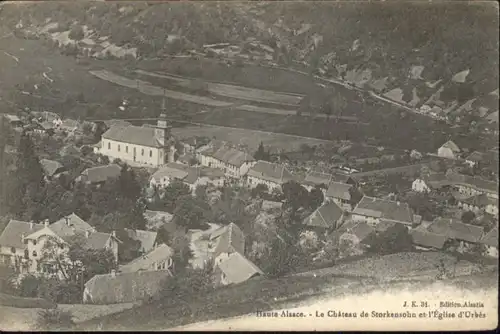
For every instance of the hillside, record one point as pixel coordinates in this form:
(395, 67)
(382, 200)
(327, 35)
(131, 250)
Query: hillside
(429, 49)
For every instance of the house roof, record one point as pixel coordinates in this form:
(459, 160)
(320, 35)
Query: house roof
(223, 152)
(194, 173)
(428, 239)
(326, 216)
(452, 146)
(317, 178)
(125, 287)
(13, 233)
(384, 225)
(480, 201)
(230, 239)
(475, 156)
(145, 262)
(361, 230)
(382, 208)
(339, 190)
(269, 171)
(12, 118)
(473, 182)
(47, 125)
(493, 117)
(138, 135)
(50, 167)
(491, 238)
(101, 173)
(146, 238)
(269, 205)
(171, 170)
(97, 240)
(454, 229)
(69, 225)
(238, 268)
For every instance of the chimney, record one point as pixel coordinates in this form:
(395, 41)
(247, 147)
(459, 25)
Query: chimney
(87, 233)
(67, 220)
(113, 233)
(113, 273)
(46, 222)
(31, 225)
(398, 203)
(22, 237)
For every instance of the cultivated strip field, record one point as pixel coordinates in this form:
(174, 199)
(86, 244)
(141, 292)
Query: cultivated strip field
(251, 138)
(238, 92)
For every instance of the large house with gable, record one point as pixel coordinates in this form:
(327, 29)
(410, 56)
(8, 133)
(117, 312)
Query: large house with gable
(270, 174)
(374, 211)
(144, 145)
(234, 162)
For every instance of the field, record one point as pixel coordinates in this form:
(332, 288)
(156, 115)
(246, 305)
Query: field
(251, 138)
(24, 319)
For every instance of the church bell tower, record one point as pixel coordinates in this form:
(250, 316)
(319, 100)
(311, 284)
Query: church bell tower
(164, 136)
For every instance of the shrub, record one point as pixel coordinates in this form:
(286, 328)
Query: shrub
(54, 319)
(76, 33)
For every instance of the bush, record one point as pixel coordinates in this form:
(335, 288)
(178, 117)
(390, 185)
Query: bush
(76, 33)
(54, 319)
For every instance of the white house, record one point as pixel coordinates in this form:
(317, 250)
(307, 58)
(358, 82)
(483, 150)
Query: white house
(373, 211)
(233, 162)
(159, 258)
(225, 241)
(191, 176)
(146, 145)
(166, 174)
(449, 150)
(270, 174)
(474, 158)
(29, 241)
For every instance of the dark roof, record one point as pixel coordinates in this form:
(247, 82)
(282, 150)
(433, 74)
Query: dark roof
(491, 238)
(473, 182)
(428, 239)
(317, 178)
(125, 287)
(13, 233)
(138, 135)
(269, 171)
(101, 173)
(454, 229)
(386, 209)
(339, 190)
(230, 239)
(326, 216)
(146, 238)
(50, 167)
(360, 229)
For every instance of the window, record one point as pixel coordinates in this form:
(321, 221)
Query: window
(126, 149)
(109, 146)
(35, 254)
(25, 241)
(118, 147)
(13, 250)
(150, 153)
(61, 246)
(34, 242)
(26, 254)
(142, 151)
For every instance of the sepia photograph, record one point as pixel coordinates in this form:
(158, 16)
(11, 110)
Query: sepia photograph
(251, 166)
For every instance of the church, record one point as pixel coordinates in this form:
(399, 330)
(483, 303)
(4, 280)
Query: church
(144, 145)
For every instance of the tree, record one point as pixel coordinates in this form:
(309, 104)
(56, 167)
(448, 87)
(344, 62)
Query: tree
(261, 153)
(259, 190)
(129, 249)
(173, 192)
(316, 198)
(355, 196)
(188, 213)
(468, 217)
(54, 319)
(393, 240)
(296, 196)
(181, 244)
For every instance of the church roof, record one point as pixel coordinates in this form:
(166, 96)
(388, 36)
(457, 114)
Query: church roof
(131, 134)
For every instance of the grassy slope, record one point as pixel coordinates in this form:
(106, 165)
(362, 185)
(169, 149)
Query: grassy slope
(267, 294)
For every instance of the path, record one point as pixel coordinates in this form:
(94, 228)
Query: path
(11, 56)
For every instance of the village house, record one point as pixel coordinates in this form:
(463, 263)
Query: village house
(226, 240)
(373, 210)
(166, 174)
(51, 168)
(204, 176)
(145, 145)
(490, 240)
(29, 240)
(270, 174)
(316, 179)
(13, 247)
(471, 186)
(235, 269)
(99, 175)
(449, 150)
(129, 287)
(467, 235)
(479, 203)
(13, 120)
(147, 239)
(474, 158)
(159, 258)
(350, 237)
(426, 240)
(430, 182)
(341, 194)
(325, 218)
(235, 163)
